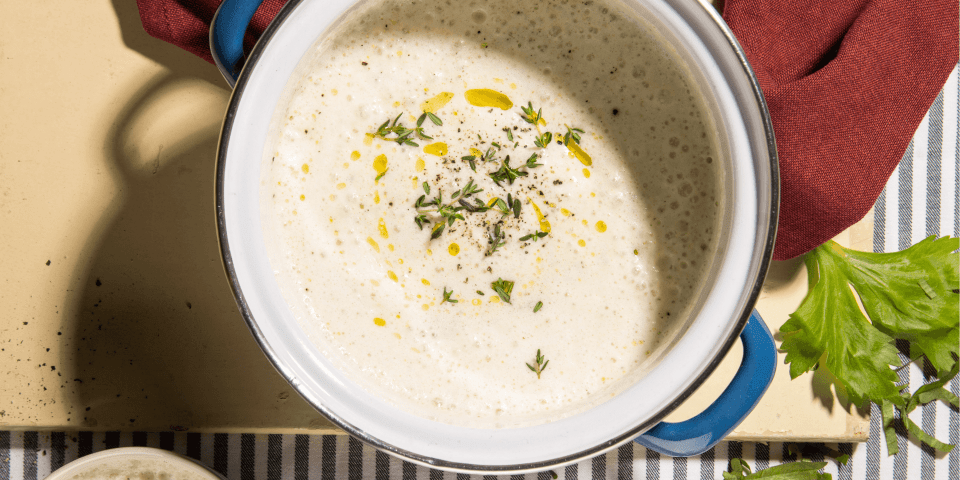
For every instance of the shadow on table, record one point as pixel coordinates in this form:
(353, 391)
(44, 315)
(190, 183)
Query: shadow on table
(156, 336)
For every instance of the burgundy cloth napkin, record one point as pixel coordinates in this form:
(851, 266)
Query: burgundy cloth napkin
(847, 84)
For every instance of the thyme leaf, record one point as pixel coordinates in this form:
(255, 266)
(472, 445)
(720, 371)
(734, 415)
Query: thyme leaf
(533, 236)
(572, 134)
(529, 116)
(506, 172)
(541, 365)
(503, 288)
(497, 241)
(446, 296)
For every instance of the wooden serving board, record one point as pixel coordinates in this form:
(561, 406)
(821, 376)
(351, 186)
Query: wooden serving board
(116, 312)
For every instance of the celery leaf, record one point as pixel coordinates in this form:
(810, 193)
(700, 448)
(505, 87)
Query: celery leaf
(909, 295)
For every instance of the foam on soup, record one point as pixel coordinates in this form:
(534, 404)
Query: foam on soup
(590, 237)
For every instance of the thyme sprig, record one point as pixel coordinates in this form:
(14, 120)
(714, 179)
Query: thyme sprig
(471, 159)
(528, 115)
(496, 241)
(511, 205)
(572, 134)
(486, 157)
(537, 307)
(532, 161)
(446, 297)
(450, 211)
(533, 236)
(404, 134)
(506, 172)
(433, 118)
(543, 140)
(503, 288)
(541, 365)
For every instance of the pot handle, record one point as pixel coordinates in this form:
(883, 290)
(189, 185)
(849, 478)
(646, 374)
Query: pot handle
(227, 30)
(702, 432)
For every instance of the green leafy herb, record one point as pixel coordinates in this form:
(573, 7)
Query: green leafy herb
(543, 140)
(497, 241)
(509, 133)
(403, 133)
(572, 134)
(503, 289)
(540, 366)
(506, 172)
(471, 159)
(501, 206)
(537, 307)
(381, 175)
(529, 116)
(802, 470)
(532, 161)
(533, 236)
(925, 394)
(908, 295)
(446, 296)
(426, 188)
(480, 292)
(801, 450)
(449, 212)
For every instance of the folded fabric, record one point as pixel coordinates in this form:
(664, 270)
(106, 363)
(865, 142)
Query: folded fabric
(847, 84)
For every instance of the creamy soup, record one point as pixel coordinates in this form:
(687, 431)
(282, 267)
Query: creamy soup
(492, 214)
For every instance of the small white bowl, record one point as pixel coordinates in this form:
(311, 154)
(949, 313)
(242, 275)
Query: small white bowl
(134, 462)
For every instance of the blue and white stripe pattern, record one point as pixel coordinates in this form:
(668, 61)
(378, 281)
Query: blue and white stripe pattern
(920, 200)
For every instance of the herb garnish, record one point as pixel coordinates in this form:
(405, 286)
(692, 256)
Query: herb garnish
(502, 206)
(543, 140)
(381, 175)
(470, 159)
(506, 172)
(449, 212)
(532, 162)
(509, 133)
(496, 241)
(908, 295)
(537, 307)
(503, 289)
(446, 296)
(506, 207)
(404, 133)
(433, 118)
(533, 236)
(528, 115)
(541, 365)
(572, 134)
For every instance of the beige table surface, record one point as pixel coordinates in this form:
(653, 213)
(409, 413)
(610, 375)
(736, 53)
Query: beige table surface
(115, 311)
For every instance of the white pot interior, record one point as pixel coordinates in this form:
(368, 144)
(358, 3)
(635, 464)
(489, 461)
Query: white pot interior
(750, 195)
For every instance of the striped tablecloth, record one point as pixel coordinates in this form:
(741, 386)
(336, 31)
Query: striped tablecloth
(920, 200)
